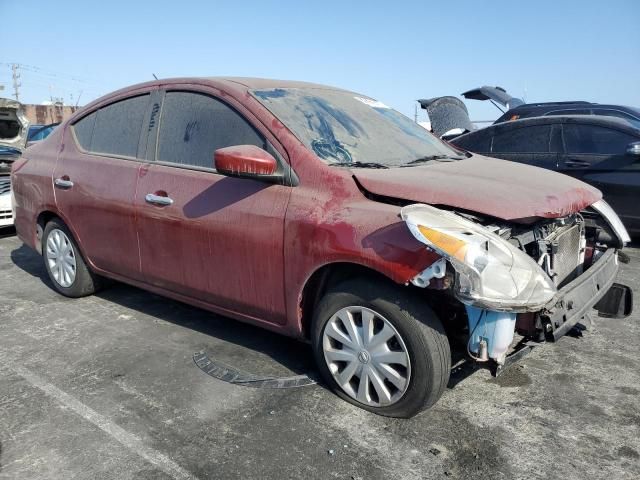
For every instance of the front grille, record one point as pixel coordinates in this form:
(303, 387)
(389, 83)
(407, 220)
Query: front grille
(5, 214)
(5, 185)
(565, 256)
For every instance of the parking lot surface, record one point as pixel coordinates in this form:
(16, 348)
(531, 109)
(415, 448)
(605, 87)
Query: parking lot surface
(106, 387)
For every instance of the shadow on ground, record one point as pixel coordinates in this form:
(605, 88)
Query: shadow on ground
(294, 356)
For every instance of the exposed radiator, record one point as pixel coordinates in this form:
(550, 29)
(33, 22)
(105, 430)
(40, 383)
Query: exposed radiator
(565, 253)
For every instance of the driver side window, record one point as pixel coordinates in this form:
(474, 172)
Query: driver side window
(194, 125)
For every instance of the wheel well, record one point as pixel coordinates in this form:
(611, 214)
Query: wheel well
(323, 279)
(44, 218)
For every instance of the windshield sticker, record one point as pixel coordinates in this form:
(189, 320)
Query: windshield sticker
(372, 103)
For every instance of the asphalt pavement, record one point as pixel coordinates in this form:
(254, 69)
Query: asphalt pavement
(106, 387)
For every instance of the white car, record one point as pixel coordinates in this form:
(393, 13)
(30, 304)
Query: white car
(14, 127)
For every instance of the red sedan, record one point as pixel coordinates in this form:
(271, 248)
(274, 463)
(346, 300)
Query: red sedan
(321, 214)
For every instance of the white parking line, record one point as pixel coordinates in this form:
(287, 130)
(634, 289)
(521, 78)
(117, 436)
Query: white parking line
(127, 439)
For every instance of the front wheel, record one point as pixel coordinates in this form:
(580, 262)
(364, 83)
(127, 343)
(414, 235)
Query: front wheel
(380, 348)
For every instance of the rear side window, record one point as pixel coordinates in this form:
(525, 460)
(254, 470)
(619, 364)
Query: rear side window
(194, 125)
(595, 140)
(118, 126)
(114, 129)
(533, 139)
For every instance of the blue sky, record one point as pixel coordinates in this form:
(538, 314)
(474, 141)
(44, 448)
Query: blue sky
(393, 51)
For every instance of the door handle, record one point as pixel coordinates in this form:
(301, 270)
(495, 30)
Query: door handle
(63, 183)
(577, 164)
(158, 200)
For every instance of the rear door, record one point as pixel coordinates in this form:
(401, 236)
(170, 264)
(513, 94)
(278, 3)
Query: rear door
(203, 235)
(95, 183)
(533, 145)
(597, 155)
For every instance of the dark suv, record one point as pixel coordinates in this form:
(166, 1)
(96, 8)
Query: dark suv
(602, 151)
(571, 108)
(517, 109)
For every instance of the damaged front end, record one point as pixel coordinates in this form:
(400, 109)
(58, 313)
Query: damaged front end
(538, 279)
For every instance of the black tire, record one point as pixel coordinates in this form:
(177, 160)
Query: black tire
(421, 331)
(85, 282)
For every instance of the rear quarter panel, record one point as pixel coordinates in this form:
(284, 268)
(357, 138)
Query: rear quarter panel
(32, 183)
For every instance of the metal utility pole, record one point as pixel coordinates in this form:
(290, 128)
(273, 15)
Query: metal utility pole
(16, 84)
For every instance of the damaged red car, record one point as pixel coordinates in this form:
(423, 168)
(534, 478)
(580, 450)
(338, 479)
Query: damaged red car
(325, 215)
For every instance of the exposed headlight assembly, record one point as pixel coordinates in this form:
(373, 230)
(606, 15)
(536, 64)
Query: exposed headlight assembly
(492, 273)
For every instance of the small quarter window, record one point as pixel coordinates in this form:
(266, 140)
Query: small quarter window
(84, 130)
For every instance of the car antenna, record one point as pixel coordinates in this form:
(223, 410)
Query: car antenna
(154, 76)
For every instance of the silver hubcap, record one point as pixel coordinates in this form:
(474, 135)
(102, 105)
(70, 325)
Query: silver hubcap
(61, 258)
(366, 356)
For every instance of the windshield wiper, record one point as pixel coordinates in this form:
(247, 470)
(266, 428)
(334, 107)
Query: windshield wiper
(436, 158)
(358, 165)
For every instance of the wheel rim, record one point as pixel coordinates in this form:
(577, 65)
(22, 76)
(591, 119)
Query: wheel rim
(61, 258)
(366, 356)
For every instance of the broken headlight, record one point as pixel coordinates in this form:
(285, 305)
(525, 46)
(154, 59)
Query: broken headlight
(491, 272)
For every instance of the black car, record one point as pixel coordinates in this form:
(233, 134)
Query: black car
(517, 109)
(602, 151)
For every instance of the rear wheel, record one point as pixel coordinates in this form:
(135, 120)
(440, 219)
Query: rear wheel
(380, 348)
(64, 263)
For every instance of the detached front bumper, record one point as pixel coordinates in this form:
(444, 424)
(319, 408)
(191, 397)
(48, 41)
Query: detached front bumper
(591, 289)
(594, 289)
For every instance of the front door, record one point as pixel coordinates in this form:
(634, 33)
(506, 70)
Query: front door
(203, 235)
(95, 183)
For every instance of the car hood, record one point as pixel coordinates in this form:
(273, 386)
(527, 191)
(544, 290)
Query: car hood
(446, 114)
(498, 188)
(14, 125)
(497, 94)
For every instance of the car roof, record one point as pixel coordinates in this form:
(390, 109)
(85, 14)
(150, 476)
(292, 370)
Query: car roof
(603, 120)
(239, 85)
(260, 83)
(551, 106)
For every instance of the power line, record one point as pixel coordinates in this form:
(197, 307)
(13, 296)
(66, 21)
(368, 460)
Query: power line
(48, 73)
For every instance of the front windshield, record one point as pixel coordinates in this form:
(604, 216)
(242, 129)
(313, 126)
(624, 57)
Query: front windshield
(344, 128)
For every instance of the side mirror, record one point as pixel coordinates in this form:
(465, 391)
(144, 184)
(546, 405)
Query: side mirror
(633, 149)
(246, 161)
